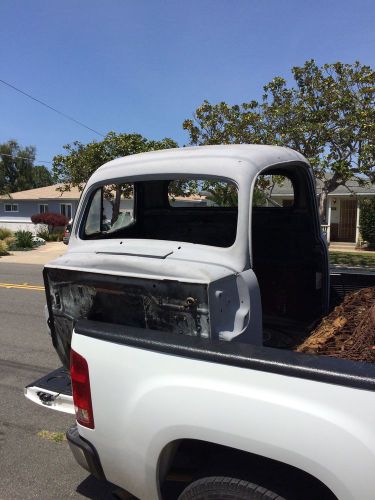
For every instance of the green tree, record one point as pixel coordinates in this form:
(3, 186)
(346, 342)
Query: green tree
(225, 124)
(17, 170)
(81, 160)
(367, 221)
(41, 176)
(328, 115)
(16, 167)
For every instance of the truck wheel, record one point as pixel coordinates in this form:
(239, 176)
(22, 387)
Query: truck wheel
(226, 488)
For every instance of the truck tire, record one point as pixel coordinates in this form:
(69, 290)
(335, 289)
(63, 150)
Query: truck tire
(226, 488)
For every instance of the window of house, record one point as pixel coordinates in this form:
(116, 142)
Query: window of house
(43, 208)
(11, 207)
(66, 209)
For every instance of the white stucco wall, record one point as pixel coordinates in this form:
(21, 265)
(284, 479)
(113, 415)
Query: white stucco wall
(19, 224)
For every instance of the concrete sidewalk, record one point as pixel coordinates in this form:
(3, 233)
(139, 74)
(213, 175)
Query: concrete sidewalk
(40, 255)
(349, 248)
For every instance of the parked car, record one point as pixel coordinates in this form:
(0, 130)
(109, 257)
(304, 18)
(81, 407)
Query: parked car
(67, 231)
(175, 328)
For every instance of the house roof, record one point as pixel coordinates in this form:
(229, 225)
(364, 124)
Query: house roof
(44, 193)
(352, 187)
(192, 197)
(51, 192)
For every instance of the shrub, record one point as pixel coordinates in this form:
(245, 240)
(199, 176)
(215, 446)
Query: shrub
(47, 236)
(24, 239)
(51, 219)
(43, 233)
(3, 248)
(367, 220)
(56, 236)
(5, 233)
(10, 241)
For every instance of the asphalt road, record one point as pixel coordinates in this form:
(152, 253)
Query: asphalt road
(32, 466)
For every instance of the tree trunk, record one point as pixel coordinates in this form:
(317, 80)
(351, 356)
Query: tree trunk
(323, 206)
(116, 205)
(329, 185)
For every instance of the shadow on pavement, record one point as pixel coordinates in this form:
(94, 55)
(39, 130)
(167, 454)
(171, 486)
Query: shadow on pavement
(95, 489)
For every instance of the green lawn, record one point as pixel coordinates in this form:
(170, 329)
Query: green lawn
(361, 259)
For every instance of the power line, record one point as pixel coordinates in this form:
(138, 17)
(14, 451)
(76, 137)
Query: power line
(25, 158)
(50, 107)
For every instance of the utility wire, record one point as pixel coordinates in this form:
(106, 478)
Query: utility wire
(25, 158)
(50, 107)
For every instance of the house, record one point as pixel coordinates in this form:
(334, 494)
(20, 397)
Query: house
(343, 208)
(17, 208)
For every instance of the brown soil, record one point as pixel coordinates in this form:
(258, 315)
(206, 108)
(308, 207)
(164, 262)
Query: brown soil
(348, 332)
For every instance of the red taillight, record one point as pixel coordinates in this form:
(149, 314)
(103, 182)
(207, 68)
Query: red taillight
(79, 372)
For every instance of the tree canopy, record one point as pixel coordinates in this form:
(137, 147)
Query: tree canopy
(367, 221)
(17, 170)
(81, 160)
(41, 176)
(328, 115)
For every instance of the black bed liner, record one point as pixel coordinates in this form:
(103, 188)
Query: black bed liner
(55, 381)
(343, 282)
(342, 372)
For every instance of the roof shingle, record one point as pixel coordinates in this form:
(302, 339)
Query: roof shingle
(44, 193)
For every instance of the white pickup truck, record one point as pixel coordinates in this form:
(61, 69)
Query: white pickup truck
(176, 317)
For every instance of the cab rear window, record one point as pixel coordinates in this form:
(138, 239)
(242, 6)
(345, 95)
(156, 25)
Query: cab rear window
(202, 211)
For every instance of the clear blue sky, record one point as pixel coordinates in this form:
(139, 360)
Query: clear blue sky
(146, 65)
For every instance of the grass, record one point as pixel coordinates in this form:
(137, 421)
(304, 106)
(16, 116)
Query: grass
(5, 233)
(3, 248)
(47, 236)
(57, 437)
(352, 259)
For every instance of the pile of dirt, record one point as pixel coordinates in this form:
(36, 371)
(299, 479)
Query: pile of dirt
(348, 332)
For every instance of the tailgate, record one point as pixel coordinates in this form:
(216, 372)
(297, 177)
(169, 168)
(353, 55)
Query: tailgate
(53, 390)
(162, 305)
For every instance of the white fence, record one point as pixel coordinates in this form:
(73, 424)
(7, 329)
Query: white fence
(326, 230)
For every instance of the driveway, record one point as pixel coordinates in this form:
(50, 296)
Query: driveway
(40, 255)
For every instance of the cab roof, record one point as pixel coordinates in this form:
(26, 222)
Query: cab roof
(230, 161)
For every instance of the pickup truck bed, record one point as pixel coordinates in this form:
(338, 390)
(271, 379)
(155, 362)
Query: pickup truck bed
(294, 387)
(54, 389)
(168, 379)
